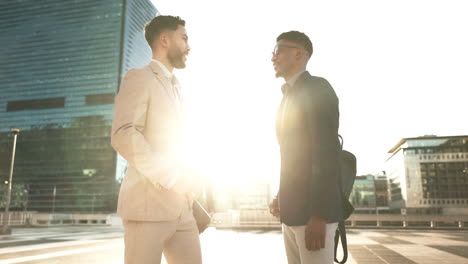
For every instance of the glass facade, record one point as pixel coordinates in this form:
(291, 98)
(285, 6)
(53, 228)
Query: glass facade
(434, 171)
(62, 62)
(369, 192)
(381, 191)
(363, 194)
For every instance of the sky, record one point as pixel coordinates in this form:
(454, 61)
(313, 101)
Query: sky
(398, 67)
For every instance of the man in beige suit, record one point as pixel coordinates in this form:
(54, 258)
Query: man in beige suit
(155, 200)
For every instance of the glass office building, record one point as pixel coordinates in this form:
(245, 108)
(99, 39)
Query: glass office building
(363, 194)
(369, 194)
(429, 174)
(62, 62)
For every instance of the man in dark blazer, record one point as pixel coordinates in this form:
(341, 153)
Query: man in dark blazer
(309, 199)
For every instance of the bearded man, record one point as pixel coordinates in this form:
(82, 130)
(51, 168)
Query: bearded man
(155, 199)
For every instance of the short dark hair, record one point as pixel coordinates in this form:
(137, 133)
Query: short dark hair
(159, 24)
(299, 38)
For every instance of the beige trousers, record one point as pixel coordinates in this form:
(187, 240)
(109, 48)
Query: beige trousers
(296, 251)
(178, 240)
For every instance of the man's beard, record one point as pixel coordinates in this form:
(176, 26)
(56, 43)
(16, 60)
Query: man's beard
(176, 58)
(282, 72)
(279, 74)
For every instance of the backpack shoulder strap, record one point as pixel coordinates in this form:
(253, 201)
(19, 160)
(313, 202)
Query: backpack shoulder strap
(341, 233)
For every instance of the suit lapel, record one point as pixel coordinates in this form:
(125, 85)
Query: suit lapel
(300, 81)
(176, 87)
(158, 72)
(279, 120)
(283, 109)
(171, 91)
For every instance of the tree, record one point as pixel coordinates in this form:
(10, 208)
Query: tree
(19, 196)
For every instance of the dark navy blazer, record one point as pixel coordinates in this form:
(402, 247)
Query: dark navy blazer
(307, 131)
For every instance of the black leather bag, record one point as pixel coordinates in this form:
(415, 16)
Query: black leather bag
(202, 217)
(348, 176)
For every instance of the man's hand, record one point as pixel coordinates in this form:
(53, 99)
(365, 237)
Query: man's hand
(315, 233)
(274, 208)
(185, 184)
(191, 196)
(190, 184)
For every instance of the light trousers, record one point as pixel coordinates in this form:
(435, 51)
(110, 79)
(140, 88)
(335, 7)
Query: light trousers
(178, 240)
(296, 251)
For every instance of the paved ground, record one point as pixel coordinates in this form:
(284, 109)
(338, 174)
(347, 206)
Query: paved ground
(104, 245)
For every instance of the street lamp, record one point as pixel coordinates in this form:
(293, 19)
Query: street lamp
(53, 201)
(6, 216)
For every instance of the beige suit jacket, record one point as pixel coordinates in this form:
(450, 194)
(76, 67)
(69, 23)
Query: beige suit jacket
(145, 130)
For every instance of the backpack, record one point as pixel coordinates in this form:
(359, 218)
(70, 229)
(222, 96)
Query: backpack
(348, 176)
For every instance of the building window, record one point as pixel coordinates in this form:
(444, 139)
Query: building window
(36, 104)
(100, 99)
(410, 151)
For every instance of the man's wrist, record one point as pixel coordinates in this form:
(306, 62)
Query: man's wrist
(174, 179)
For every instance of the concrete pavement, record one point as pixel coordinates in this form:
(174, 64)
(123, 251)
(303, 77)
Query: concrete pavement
(104, 245)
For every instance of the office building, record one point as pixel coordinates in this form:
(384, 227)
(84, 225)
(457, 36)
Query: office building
(62, 62)
(429, 175)
(369, 194)
(381, 191)
(245, 196)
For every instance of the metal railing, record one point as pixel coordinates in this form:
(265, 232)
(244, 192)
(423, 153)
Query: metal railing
(262, 219)
(41, 219)
(252, 219)
(17, 218)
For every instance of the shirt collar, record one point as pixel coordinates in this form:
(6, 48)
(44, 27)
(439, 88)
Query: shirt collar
(290, 83)
(293, 80)
(168, 74)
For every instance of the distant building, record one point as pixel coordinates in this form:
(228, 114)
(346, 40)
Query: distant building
(246, 196)
(381, 191)
(369, 194)
(254, 196)
(429, 175)
(61, 65)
